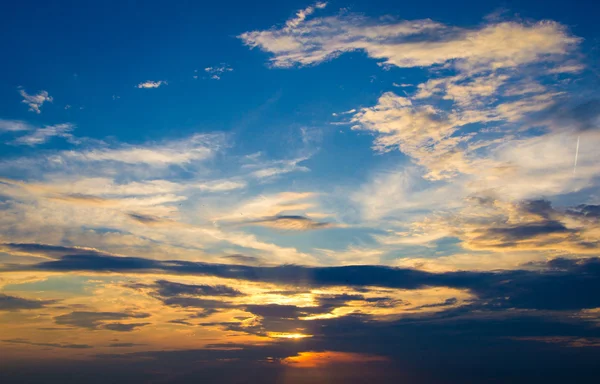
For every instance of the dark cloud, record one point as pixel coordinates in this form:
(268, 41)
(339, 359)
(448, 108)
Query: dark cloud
(445, 303)
(96, 320)
(121, 327)
(508, 235)
(181, 322)
(51, 345)
(145, 219)
(14, 303)
(205, 312)
(585, 210)
(194, 302)
(335, 301)
(542, 208)
(47, 250)
(124, 345)
(168, 289)
(190, 296)
(568, 288)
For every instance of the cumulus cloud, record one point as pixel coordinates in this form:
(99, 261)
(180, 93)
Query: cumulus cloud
(35, 101)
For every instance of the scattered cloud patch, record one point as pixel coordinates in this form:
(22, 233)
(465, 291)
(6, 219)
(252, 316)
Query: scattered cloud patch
(35, 101)
(218, 71)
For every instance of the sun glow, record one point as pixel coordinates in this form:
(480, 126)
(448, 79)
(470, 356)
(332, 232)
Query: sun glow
(283, 335)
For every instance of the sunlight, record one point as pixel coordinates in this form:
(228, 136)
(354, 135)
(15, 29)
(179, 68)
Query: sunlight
(283, 335)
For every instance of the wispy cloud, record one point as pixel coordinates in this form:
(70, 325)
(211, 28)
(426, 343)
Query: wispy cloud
(42, 135)
(14, 126)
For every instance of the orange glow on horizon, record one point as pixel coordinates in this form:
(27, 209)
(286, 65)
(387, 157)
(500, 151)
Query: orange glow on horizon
(321, 359)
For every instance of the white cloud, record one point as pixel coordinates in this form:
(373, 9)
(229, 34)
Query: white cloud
(36, 101)
(193, 148)
(305, 41)
(151, 84)
(302, 14)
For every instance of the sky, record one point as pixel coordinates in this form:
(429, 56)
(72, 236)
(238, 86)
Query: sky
(299, 192)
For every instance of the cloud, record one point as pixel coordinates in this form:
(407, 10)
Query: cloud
(14, 126)
(526, 289)
(489, 224)
(166, 288)
(218, 71)
(47, 250)
(42, 135)
(284, 311)
(409, 43)
(151, 84)
(290, 222)
(275, 168)
(242, 259)
(221, 185)
(36, 101)
(14, 303)
(147, 219)
(120, 327)
(195, 147)
(124, 345)
(51, 345)
(97, 320)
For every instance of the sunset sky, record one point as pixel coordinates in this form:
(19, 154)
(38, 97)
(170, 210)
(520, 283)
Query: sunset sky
(292, 192)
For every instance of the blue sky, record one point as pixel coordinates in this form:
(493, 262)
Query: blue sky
(409, 141)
